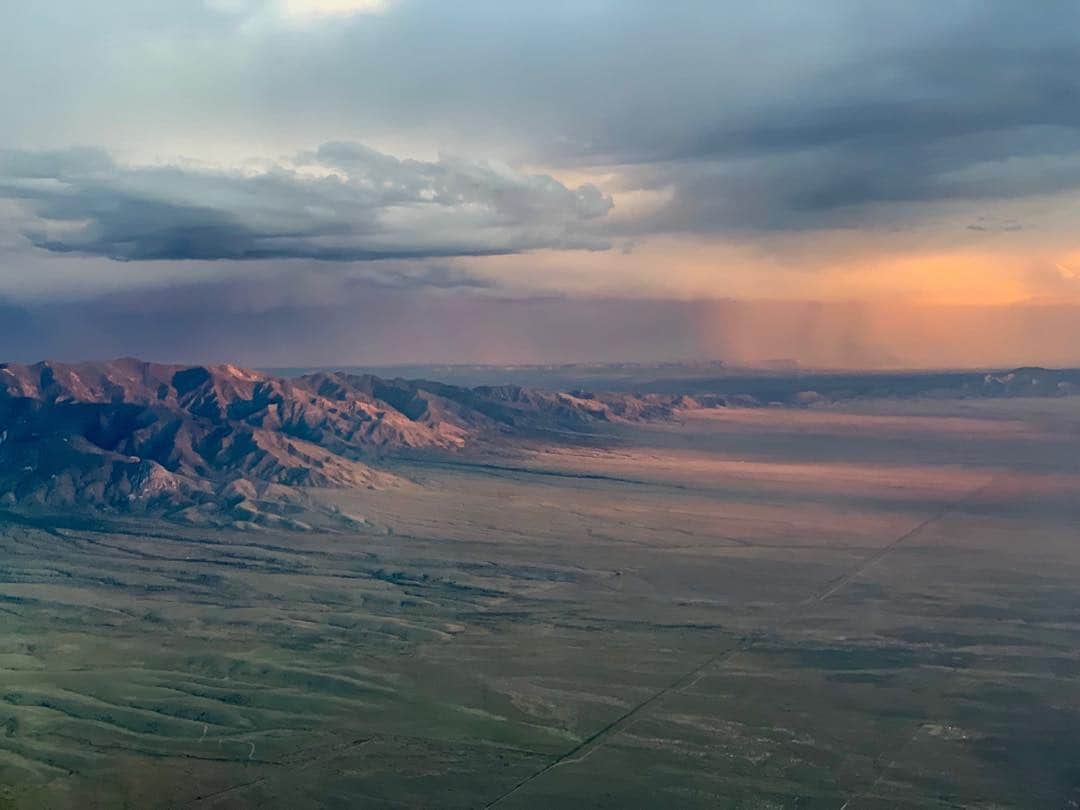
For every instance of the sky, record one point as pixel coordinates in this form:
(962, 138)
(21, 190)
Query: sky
(851, 184)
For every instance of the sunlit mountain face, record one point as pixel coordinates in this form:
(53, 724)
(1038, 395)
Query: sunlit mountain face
(845, 180)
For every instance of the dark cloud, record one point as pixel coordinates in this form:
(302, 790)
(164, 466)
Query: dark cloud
(966, 102)
(343, 202)
(986, 224)
(435, 277)
(757, 117)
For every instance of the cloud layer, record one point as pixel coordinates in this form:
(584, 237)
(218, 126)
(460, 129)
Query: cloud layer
(709, 142)
(750, 118)
(343, 202)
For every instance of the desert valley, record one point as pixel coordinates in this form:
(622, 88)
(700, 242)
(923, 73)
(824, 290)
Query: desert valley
(222, 588)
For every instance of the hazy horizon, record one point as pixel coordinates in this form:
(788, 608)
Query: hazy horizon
(399, 330)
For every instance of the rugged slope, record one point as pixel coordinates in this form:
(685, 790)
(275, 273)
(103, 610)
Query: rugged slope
(217, 442)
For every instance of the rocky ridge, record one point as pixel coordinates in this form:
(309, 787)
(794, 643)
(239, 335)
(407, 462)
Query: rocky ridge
(225, 444)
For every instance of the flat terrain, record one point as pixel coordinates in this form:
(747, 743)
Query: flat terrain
(874, 607)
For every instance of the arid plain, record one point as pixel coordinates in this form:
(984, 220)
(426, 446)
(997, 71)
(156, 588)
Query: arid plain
(861, 606)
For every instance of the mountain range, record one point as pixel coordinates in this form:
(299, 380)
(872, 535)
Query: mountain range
(212, 444)
(218, 444)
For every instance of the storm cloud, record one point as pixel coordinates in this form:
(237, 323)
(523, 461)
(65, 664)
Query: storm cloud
(343, 202)
(920, 107)
(749, 117)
